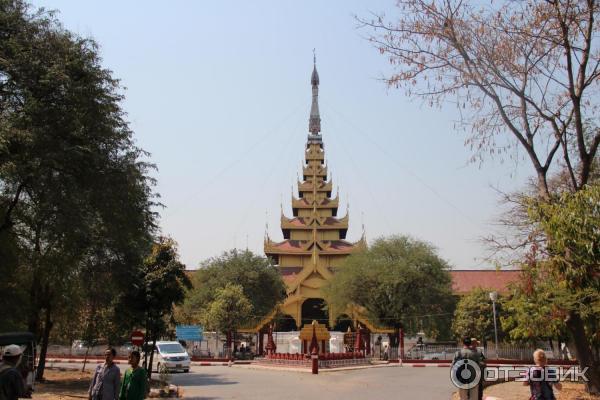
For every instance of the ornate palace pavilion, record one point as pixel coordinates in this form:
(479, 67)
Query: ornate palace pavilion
(314, 236)
(315, 245)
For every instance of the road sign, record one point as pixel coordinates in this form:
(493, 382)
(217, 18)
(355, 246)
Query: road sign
(189, 332)
(137, 338)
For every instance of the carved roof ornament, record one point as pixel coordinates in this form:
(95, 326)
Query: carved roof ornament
(314, 122)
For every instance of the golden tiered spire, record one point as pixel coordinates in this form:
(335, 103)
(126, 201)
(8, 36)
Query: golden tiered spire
(314, 242)
(314, 122)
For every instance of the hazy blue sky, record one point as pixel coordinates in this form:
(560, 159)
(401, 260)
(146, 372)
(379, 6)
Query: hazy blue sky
(219, 93)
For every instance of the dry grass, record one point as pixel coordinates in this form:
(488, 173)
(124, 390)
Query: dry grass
(63, 384)
(69, 384)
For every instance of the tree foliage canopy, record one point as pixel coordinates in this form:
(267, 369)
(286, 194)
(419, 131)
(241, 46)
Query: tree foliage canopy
(474, 316)
(162, 284)
(76, 200)
(525, 77)
(260, 281)
(397, 280)
(561, 277)
(229, 310)
(527, 71)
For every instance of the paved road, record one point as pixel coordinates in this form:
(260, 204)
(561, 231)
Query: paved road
(238, 382)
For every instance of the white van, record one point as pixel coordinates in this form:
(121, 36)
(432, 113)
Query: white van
(172, 355)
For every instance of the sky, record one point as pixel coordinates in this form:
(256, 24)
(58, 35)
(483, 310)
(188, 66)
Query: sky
(219, 93)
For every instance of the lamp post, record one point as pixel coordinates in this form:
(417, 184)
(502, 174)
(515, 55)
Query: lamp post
(494, 298)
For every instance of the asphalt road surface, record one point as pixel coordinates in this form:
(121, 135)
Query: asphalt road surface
(241, 382)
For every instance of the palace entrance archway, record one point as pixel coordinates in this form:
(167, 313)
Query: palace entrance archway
(314, 309)
(285, 323)
(342, 323)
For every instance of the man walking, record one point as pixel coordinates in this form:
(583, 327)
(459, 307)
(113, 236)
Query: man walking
(12, 385)
(107, 379)
(464, 373)
(481, 362)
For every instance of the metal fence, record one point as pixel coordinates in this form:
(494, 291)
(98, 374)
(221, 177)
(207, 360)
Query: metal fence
(303, 363)
(344, 362)
(505, 351)
(80, 351)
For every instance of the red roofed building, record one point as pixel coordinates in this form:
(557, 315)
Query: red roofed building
(463, 281)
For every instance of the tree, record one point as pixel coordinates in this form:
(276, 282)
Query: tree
(160, 286)
(260, 281)
(74, 192)
(572, 254)
(397, 280)
(474, 316)
(527, 70)
(537, 309)
(529, 73)
(229, 310)
(12, 286)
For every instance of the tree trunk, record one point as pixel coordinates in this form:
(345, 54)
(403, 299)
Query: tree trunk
(87, 351)
(39, 376)
(151, 358)
(228, 355)
(584, 353)
(33, 323)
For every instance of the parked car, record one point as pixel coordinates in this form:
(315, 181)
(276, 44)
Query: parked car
(436, 356)
(81, 347)
(172, 355)
(125, 348)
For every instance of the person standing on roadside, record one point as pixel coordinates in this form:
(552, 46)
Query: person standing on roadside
(482, 365)
(12, 385)
(466, 353)
(107, 379)
(541, 388)
(135, 379)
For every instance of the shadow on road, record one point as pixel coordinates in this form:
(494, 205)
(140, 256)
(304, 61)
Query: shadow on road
(202, 398)
(200, 379)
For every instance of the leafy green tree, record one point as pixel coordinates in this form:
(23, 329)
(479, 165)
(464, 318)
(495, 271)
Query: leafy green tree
(229, 310)
(537, 308)
(570, 263)
(74, 192)
(397, 280)
(474, 316)
(13, 293)
(260, 281)
(161, 285)
(527, 76)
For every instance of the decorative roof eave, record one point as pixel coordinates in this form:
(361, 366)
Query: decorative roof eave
(314, 155)
(309, 171)
(308, 186)
(327, 203)
(284, 247)
(306, 223)
(310, 227)
(326, 247)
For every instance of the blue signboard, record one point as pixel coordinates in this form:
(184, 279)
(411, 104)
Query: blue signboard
(189, 332)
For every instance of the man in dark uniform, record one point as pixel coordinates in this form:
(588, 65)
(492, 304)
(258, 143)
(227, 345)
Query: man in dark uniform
(467, 353)
(12, 385)
(482, 365)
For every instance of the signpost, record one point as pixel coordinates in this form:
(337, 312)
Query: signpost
(137, 338)
(193, 333)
